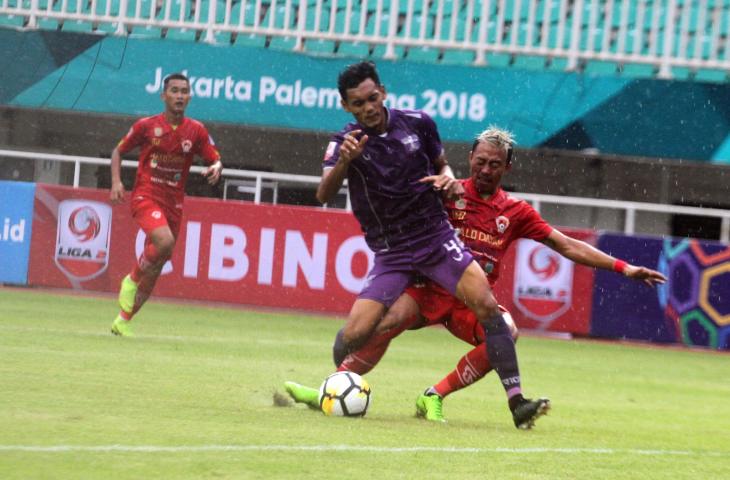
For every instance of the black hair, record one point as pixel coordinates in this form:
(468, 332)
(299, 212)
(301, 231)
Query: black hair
(174, 76)
(353, 75)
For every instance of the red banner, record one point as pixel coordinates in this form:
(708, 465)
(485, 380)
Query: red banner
(277, 256)
(267, 255)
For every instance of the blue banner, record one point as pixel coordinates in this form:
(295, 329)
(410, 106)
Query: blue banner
(16, 220)
(693, 307)
(258, 86)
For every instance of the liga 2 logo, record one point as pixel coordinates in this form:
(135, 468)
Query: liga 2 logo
(543, 282)
(82, 238)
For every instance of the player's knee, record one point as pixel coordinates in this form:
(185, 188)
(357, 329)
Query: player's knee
(353, 336)
(393, 318)
(486, 307)
(511, 325)
(165, 247)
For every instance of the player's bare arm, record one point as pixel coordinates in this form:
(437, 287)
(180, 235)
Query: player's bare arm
(332, 178)
(116, 193)
(213, 172)
(445, 181)
(584, 254)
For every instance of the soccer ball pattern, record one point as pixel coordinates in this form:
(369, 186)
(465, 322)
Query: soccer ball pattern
(344, 394)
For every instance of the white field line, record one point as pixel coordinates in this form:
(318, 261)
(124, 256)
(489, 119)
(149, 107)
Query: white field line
(345, 448)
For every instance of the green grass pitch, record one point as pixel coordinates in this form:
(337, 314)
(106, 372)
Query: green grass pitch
(191, 397)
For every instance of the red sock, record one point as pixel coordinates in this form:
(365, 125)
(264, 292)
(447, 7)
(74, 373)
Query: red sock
(365, 359)
(149, 258)
(472, 366)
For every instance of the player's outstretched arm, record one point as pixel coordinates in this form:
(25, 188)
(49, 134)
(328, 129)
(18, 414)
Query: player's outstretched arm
(584, 254)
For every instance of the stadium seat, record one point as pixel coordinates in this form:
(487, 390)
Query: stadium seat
(423, 54)
(600, 67)
(638, 70)
(275, 18)
(12, 20)
(354, 49)
(321, 46)
(714, 76)
(458, 57)
(528, 62)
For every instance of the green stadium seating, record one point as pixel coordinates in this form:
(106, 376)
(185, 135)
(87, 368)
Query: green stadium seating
(423, 54)
(461, 10)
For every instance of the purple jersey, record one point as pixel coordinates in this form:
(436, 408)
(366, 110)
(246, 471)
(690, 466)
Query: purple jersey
(392, 207)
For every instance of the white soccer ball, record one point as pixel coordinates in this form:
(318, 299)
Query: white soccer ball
(344, 394)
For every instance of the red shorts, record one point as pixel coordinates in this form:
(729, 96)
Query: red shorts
(438, 306)
(150, 215)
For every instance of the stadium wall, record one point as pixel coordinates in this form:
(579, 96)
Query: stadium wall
(316, 260)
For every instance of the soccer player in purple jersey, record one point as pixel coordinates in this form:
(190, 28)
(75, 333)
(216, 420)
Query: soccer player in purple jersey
(397, 173)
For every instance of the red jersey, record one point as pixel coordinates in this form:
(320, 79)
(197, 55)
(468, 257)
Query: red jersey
(166, 155)
(489, 225)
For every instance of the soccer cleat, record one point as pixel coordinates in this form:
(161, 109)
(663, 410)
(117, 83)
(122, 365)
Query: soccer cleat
(121, 327)
(430, 407)
(127, 294)
(527, 411)
(301, 394)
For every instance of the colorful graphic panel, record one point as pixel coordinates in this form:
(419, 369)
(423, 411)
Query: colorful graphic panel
(692, 308)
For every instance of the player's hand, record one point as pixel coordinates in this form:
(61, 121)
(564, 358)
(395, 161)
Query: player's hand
(450, 187)
(647, 275)
(116, 193)
(213, 172)
(352, 146)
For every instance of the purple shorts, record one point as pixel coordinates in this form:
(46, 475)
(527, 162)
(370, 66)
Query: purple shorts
(440, 256)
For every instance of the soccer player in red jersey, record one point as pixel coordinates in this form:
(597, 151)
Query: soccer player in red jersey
(168, 143)
(489, 220)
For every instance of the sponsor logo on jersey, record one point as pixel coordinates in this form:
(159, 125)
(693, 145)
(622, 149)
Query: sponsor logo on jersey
(187, 145)
(502, 223)
(412, 143)
(460, 204)
(156, 142)
(543, 282)
(82, 240)
(158, 131)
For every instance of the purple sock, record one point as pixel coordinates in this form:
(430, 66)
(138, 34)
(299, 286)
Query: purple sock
(502, 354)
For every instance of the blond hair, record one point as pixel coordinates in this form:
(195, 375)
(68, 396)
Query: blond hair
(498, 137)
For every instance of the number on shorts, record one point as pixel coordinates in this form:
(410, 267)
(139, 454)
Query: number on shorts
(453, 246)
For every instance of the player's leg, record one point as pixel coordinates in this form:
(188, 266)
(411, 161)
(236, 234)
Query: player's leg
(474, 290)
(161, 228)
(402, 315)
(387, 280)
(361, 361)
(473, 366)
(385, 286)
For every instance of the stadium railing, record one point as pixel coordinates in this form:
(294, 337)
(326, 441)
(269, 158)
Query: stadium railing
(258, 180)
(669, 38)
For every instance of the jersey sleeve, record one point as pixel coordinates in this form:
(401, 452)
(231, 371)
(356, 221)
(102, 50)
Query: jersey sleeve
(206, 147)
(533, 225)
(431, 138)
(332, 153)
(134, 138)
